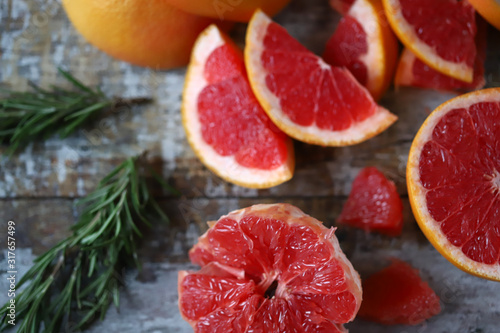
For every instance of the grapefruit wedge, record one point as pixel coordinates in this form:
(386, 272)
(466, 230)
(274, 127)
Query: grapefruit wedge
(305, 97)
(439, 32)
(414, 72)
(453, 177)
(224, 123)
(365, 44)
(269, 268)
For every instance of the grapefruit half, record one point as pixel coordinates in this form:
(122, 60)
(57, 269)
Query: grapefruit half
(439, 32)
(269, 268)
(453, 177)
(305, 97)
(364, 43)
(224, 123)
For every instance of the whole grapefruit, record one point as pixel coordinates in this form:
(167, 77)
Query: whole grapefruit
(146, 33)
(232, 10)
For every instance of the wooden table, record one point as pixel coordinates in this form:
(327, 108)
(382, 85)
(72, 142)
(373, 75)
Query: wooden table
(39, 185)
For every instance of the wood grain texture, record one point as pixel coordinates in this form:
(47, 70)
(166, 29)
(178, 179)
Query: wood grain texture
(39, 185)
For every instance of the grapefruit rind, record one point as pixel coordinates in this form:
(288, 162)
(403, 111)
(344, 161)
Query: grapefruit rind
(359, 132)
(489, 10)
(225, 167)
(417, 192)
(381, 56)
(424, 52)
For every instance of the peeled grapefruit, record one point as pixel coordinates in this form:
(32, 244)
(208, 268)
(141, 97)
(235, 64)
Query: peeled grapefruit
(413, 72)
(373, 204)
(306, 98)
(365, 44)
(397, 295)
(224, 123)
(453, 177)
(439, 32)
(146, 33)
(269, 268)
(232, 10)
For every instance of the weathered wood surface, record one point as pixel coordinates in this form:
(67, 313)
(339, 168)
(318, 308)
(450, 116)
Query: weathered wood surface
(38, 186)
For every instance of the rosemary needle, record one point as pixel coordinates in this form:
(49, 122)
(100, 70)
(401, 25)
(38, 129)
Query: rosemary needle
(76, 281)
(39, 114)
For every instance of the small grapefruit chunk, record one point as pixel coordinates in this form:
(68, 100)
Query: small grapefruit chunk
(397, 295)
(373, 204)
(305, 97)
(224, 123)
(269, 268)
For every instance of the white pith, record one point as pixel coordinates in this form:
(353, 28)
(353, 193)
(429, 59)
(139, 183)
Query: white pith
(374, 59)
(224, 166)
(360, 131)
(429, 226)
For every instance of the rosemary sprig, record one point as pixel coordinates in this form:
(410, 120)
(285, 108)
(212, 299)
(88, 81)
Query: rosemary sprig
(29, 116)
(76, 281)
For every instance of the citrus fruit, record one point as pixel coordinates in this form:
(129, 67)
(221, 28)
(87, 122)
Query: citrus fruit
(224, 123)
(364, 43)
(453, 177)
(151, 33)
(308, 99)
(439, 32)
(342, 6)
(397, 295)
(489, 10)
(413, 72)
(232, 10)
(269, 268)
(373, 204)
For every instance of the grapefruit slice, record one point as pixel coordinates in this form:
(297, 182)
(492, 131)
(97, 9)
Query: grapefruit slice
(397, 295)
(306, 98)
(453, 177)
(413, 72)
(373, 204)
(365, 44)
(489, 10)
(224, 123)
(439, 32)
(269, 268)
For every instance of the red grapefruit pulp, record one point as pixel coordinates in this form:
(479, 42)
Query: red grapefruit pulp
(224, 122)
(397, 295)
(269, 268)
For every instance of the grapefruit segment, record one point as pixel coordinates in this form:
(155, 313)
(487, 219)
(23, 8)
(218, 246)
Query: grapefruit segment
(296, 278)
(306, 98)
(224, 123)
(373, 204)
(454, 181)
(364, 43)
(439, 32)
(397, 295)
